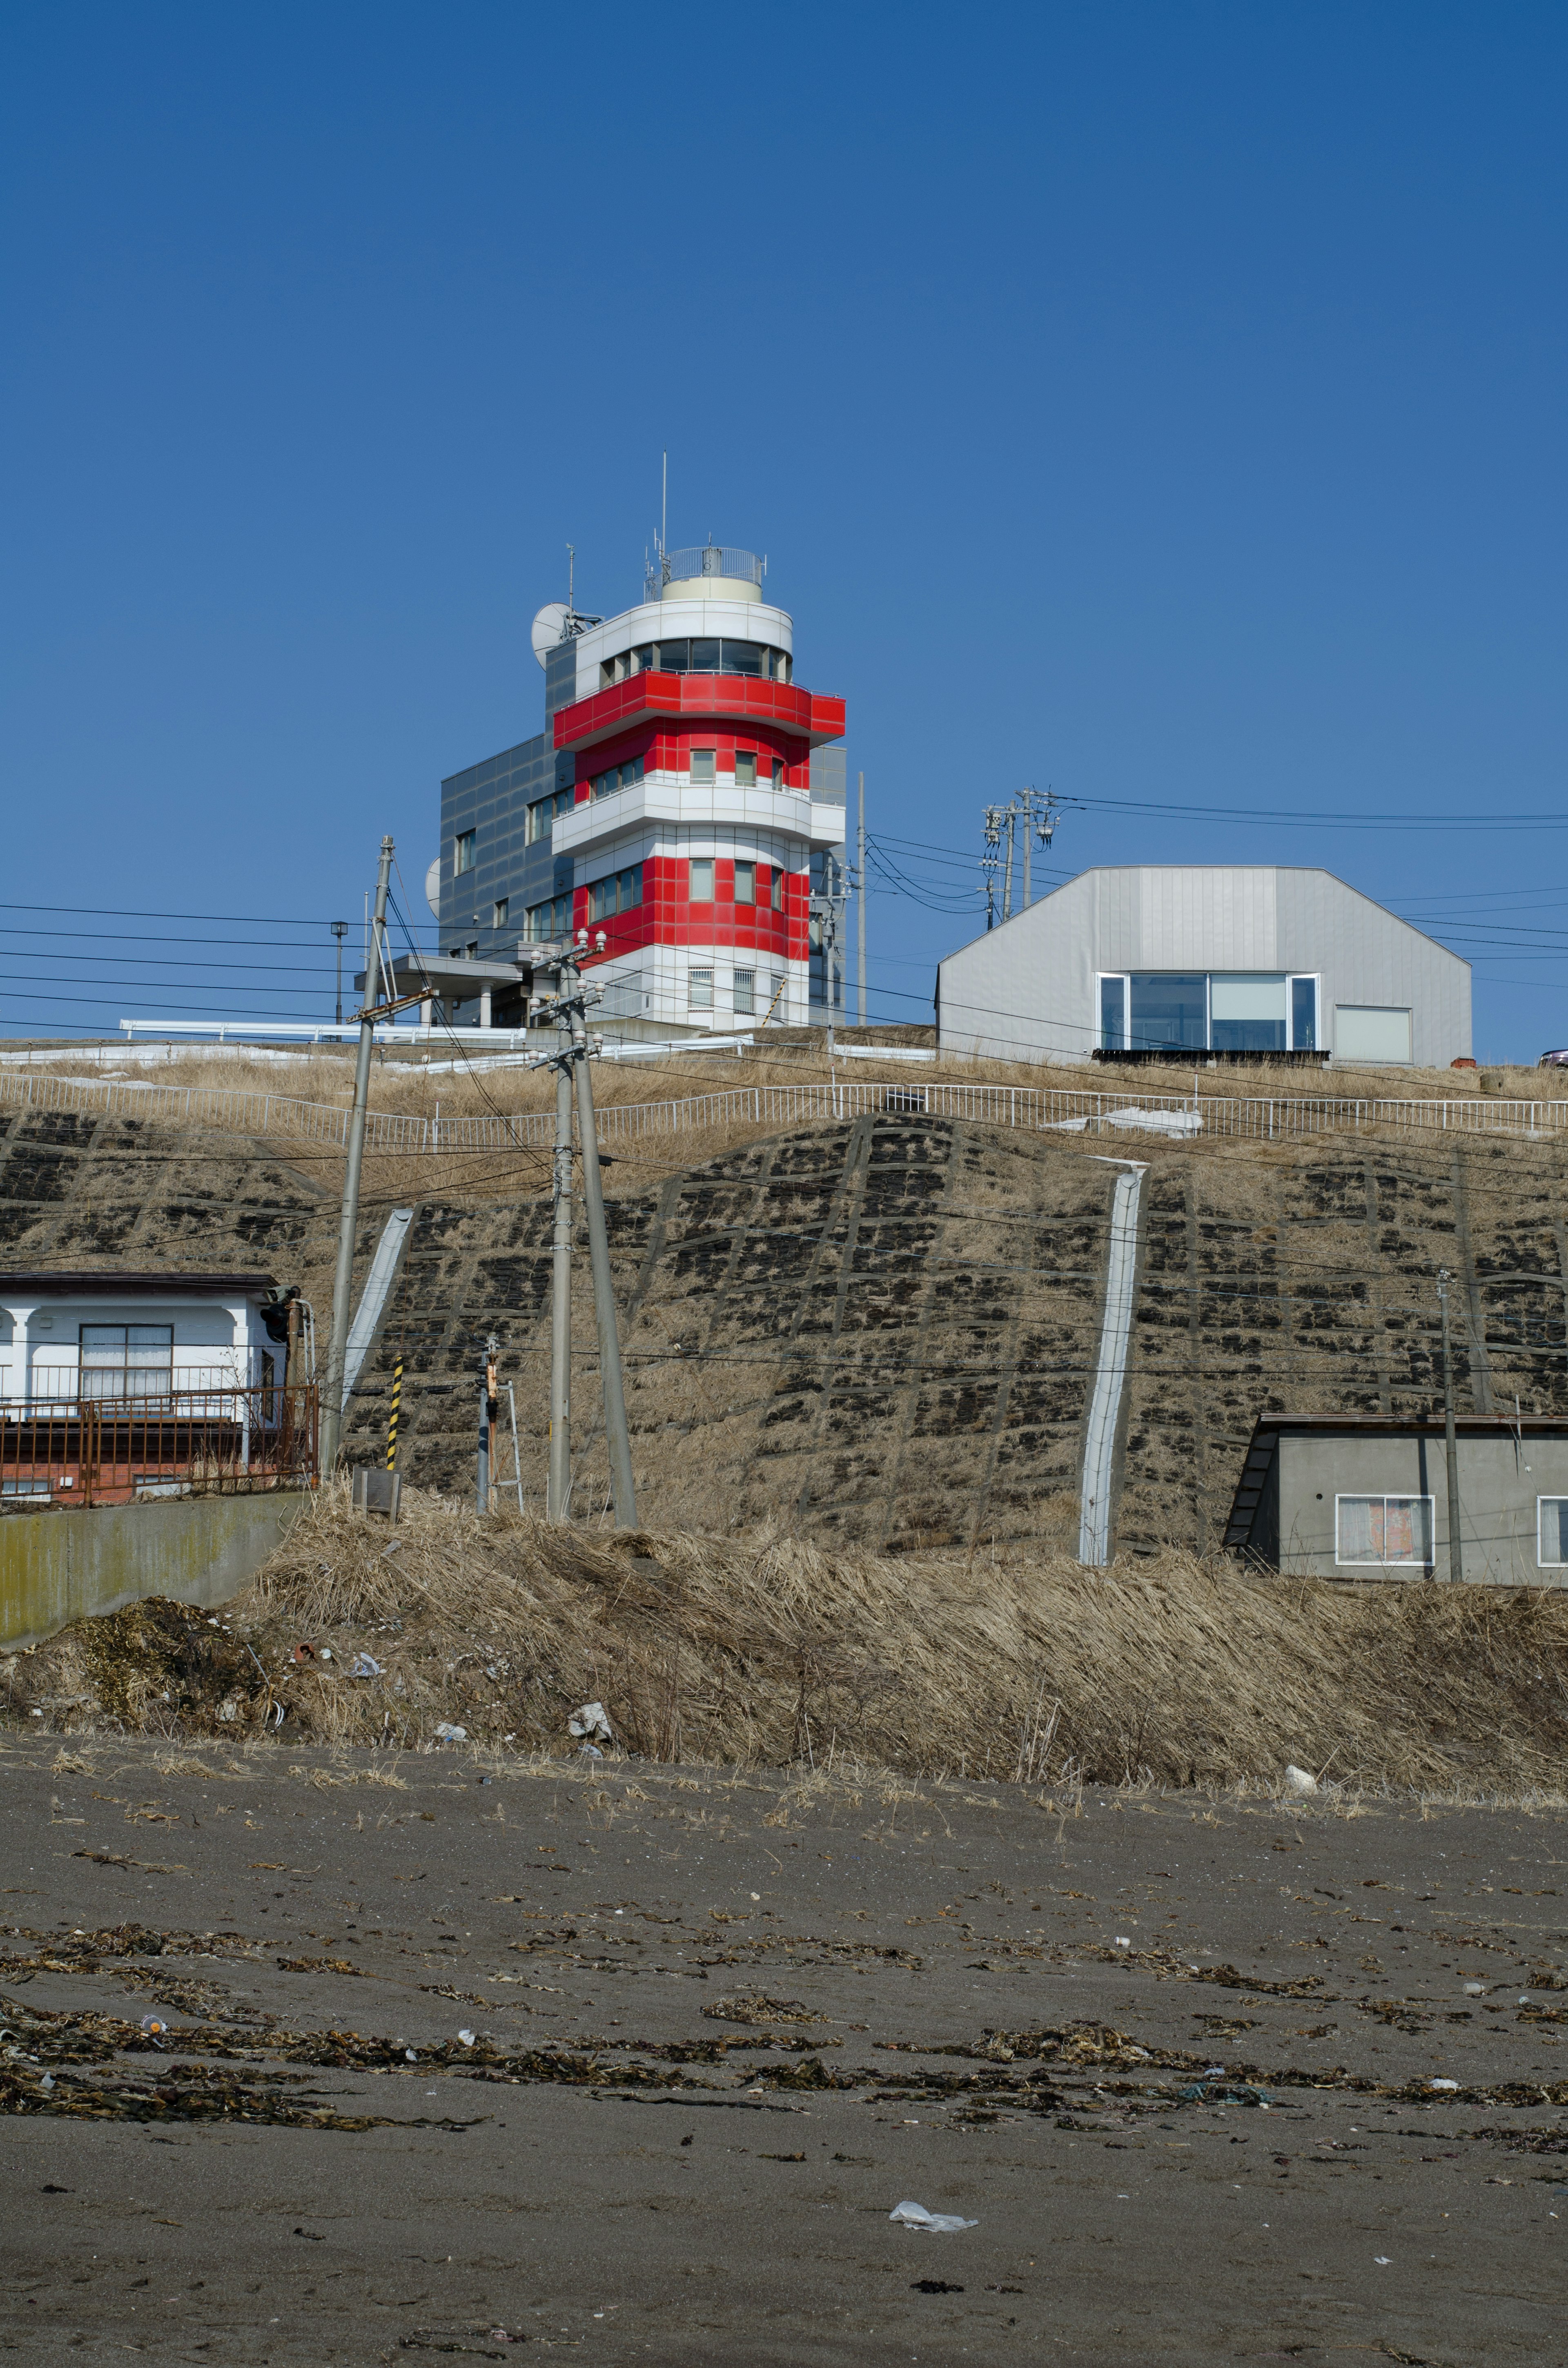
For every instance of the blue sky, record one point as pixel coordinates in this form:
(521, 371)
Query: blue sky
(1162, 403)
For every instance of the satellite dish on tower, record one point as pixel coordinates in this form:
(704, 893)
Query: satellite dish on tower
(433, 887)
(549, 627)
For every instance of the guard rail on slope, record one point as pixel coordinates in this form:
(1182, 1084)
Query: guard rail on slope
(1272, 1119)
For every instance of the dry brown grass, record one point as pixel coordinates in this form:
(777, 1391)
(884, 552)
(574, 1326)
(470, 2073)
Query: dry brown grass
(767, 1652)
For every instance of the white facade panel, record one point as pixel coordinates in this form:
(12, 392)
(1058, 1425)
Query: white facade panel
(1031, 989)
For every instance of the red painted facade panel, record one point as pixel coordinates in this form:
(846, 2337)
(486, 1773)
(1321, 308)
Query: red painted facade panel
(686, 698)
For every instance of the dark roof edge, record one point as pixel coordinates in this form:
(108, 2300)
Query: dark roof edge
(109, 1278)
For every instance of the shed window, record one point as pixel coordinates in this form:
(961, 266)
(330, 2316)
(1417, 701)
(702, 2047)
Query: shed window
(1551, 1531)
(127, 1361)
(1386, 1530)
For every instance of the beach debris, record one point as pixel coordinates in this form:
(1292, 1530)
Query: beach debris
(589, 1751)
(155, 2027)
(466, 2038)
(1123, 1941)
(1442, 2084)
(364, 1665)
(1299, 1782)
(590, 1726)
(228, 1710)
(935, 2285)
(447, 1732)
(303, 1653)
(1476, 1989)
(934, 2224)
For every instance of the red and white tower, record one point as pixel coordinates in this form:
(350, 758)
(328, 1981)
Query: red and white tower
(693, 825)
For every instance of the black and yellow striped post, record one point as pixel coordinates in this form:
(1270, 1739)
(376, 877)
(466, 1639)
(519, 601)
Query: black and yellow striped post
(391, 1418)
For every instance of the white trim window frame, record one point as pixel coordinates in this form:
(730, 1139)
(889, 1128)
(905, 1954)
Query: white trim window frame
(1125, 983)
(1312, 978)
(1560, 1560)
(1385, 1498)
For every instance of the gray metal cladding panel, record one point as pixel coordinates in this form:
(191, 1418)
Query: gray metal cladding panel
(1029, 989)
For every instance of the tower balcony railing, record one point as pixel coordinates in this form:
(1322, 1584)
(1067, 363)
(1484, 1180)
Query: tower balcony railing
(720, 560)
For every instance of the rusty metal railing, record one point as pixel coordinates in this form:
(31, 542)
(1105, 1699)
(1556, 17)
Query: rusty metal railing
(89, 1450)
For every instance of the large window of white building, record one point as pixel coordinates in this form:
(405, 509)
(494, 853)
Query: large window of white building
(1208, 1012)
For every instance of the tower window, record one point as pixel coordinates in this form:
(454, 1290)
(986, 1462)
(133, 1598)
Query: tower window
(746, 990)
(498, 912)
(699, 887)
(462, 852)
(776, 897)
(745, 883)
(702, 765)
(699, 990)
(745, 768)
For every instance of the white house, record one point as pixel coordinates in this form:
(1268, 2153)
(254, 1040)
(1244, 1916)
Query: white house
(122, 1336)
(1201, 961)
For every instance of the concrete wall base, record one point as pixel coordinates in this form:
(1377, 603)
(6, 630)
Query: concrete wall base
(60, 1567)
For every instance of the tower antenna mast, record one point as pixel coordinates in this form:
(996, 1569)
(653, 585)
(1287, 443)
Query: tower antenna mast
(665, 513)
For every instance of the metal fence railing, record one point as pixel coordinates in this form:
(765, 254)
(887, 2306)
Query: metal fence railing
(1277, 1118)
(218, 1442)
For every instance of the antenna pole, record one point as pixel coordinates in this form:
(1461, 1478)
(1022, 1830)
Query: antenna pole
(665, 510)
(571, 579)
(860, 907)
(343, 1279)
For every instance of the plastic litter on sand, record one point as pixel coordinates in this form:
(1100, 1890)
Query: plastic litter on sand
(364, 1665)
(1442, 2084)
(934, 2224)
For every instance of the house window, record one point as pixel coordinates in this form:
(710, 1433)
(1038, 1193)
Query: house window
(617, 892)
(127, 1361)
(462, 852)
(699, 990)
(1391, 1530)
(1198, 1011)
(702, 764)
(498, 912)
(1374, 1032)
(1551, 1531)
(746, 990)
(544, 811)
(1113, 1014)
(1247, 1011)
(550, 921)
(776, 892)
(699, 887)
(745, 768)
(745, 883)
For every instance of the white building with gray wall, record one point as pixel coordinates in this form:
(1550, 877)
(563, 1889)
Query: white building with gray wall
(1195, 960)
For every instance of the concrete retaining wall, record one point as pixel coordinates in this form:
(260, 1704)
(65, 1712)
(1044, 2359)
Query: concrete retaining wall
(60, 1567)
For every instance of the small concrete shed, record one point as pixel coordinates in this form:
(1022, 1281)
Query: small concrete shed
(1365, 1496)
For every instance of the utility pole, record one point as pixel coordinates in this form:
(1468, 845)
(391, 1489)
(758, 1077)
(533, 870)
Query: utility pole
(1038, 816)
(860, 907)
(343, 1279)
(1451, 1441)
(827, 912)
(1009, 818)
(340, 931)
(617, 1437)
(560, 1481)
(988, 861)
